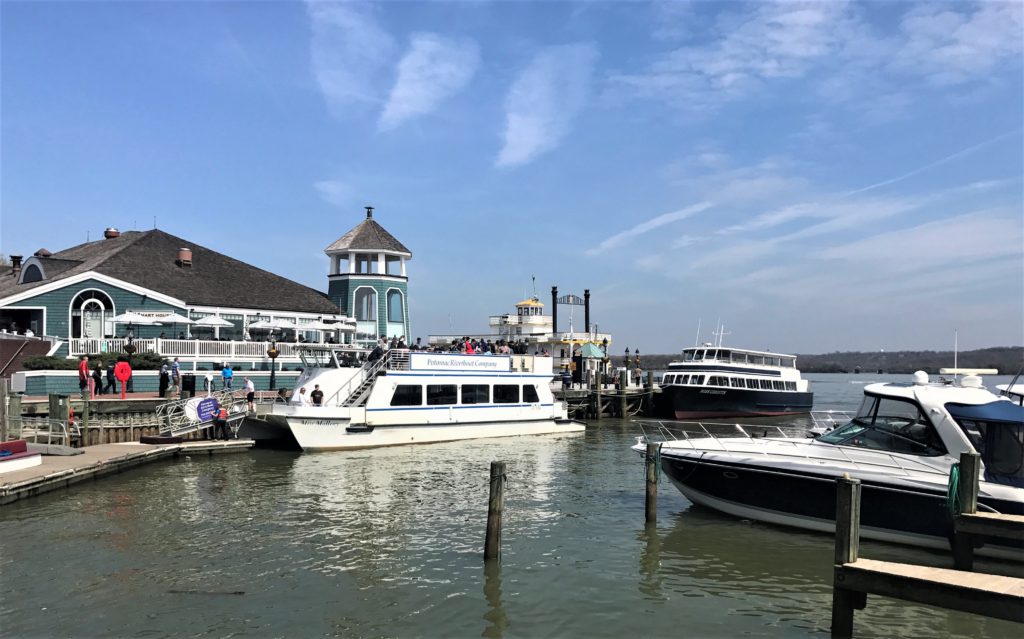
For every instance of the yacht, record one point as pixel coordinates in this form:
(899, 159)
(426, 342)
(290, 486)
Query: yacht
(412, 397)
(715, 381)
(901, 443)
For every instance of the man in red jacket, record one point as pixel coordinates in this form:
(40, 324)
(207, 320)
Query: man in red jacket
(83, 375)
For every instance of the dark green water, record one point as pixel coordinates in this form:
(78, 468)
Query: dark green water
(388, 543)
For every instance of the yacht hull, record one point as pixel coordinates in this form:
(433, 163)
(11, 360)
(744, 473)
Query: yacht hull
(694, 402)
(326, 434)
(900, 513)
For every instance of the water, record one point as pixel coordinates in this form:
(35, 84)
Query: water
(388, 543)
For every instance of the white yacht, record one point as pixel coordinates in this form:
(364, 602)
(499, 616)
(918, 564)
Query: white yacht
(901, 444)
(716, 381)
(413, 397)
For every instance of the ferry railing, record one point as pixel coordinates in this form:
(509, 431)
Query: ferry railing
(665, 431)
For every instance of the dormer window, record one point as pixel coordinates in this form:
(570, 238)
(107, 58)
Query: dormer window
(32, 273)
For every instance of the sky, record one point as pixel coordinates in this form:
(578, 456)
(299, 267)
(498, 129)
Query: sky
(815, 177)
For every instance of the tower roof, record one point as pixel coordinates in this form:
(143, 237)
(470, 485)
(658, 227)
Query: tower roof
(368, 236)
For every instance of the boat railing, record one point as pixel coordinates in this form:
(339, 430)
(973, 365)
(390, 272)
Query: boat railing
(686, 432)
(826, 420)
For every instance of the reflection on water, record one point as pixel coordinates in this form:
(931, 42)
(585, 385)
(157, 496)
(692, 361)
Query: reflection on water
(389, 543)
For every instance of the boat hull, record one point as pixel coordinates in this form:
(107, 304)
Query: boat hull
(901, 514)
(325, 434)
(694, 402)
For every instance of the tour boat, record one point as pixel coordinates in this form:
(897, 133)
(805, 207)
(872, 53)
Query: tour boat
(901, 445)
(715, 381)
(413, 397)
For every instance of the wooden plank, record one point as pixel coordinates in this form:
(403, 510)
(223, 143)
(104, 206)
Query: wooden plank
(990, 595)
(847, 520)
(992, 524)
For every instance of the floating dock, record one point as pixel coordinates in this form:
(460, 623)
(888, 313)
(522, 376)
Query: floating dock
(57, 472)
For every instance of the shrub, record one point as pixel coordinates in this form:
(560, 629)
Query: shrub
(140, 362)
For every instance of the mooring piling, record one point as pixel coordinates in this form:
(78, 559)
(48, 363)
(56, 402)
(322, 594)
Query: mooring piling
(495, 507)
(651, 463)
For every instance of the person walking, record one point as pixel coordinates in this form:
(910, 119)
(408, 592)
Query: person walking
(111, 386)
(83, 375)
(176, 376)
(97, 378)
(250, 393)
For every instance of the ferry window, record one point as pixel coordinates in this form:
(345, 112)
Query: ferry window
(685, 379)
(739, 358)
(407, 395)
(476, 393)
(710, 354)
(697, 380)
(442, 394)
(530, 394)
(736, 382)
(724, 355)
(506, 394)
(751, 383)
(766, 384)
(687, 356)
(788, 362)
(718, 381)
(791, 386)
(777, 385)
(756, 359)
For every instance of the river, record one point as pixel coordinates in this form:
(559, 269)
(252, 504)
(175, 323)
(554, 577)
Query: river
(388, 543)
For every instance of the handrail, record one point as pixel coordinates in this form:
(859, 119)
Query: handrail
(13, 357)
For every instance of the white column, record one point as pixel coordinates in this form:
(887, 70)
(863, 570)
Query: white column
(352, 258)
(403, 266)
(382, 264)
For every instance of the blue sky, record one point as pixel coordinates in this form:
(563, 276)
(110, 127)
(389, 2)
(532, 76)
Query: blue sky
(817, 176)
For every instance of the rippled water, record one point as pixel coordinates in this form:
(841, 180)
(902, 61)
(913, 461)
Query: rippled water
(389, 543)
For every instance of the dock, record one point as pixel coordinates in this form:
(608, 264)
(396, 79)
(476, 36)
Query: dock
(854, 578)
(57, 472)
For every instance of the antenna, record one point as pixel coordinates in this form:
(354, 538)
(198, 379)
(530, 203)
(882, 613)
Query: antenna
(956, 339)
(720, 333)
(534, 278)
(696, 342)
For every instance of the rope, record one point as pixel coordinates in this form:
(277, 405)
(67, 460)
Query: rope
(953, 491)
(502, 478)
(657, 464)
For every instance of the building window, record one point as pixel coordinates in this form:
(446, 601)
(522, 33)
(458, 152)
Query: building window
(396, 312)
(366, 305)
(91, 310)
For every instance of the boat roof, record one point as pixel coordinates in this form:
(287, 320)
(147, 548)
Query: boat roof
(530, 302)
(735, 350)
(998, 411)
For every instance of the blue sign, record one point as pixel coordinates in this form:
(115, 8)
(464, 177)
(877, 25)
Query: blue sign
(207, 409)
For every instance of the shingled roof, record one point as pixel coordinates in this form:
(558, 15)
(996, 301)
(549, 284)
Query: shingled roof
(368, 236)
(149, 259)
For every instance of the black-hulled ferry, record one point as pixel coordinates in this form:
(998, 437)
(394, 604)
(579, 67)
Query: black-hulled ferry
(716, 381)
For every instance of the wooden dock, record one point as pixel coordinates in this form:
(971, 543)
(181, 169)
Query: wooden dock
(57, 472)
(854, 578)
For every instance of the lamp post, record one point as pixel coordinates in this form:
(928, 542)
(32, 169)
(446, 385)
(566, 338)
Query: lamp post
(272, 353)
(625, 360)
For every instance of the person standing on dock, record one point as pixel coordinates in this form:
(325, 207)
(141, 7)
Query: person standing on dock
(250, 393)
(111, 386)
(176, 375)
(97, 378)
(226, 374)
(83, 375)
(165, 379)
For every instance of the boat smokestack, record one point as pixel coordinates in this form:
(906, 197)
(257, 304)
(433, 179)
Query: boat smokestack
(586, 309)
(554, 309)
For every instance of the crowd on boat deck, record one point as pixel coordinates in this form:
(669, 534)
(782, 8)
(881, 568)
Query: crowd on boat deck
(465, 345)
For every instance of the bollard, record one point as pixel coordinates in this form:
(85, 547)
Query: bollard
(651, 462)
(495, 507)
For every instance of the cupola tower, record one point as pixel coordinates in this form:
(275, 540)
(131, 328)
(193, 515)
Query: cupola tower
(368, 281)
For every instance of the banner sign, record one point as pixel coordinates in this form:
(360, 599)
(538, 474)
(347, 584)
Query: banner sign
(460, 363)
(207, 409)
(575, 300)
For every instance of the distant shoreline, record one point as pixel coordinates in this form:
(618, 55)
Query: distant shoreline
(1008, 360)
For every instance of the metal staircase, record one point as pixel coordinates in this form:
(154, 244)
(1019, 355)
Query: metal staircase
(359, 395)
(175, 421)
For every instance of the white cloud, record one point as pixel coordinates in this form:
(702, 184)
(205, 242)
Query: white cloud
(347, 51)
(335, 192)
(432, 69)
(544, 100)
(649, 225)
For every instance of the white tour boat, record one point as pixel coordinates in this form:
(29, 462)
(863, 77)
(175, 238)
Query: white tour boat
(413, 397)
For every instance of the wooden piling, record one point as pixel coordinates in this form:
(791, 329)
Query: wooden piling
(651, 463)
(598, 408)
(495, 507)
(14, 413)
(3, 409)
(967, 494)
(85, 423)
(847, 547)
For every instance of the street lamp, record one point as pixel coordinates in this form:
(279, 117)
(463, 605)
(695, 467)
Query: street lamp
(272, 353)
(625, 361)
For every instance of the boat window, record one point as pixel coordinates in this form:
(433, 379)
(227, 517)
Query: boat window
(506, 394)
(777, 385)
(442, 394)
(530, 394)
(789, 362)
(997, 432)
(736, 382)
(684, 379)
(765, 383)
(407, 395)
(884, 423)
(791, 386)
(724, 355)
(710, 354)
(756, 359)
(716, 380)
(739, 358)
(697, 380)
(476, 393)
(752, 383)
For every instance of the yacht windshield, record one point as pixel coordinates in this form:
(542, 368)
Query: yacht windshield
(885, 423)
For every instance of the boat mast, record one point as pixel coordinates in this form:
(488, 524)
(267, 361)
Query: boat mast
(696, 342)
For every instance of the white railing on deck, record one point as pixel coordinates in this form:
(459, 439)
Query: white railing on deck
(185, 348)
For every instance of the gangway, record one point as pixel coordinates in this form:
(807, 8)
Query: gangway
(176, 421)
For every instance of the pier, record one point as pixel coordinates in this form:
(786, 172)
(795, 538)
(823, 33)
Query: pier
(58, 471)
(854, 578)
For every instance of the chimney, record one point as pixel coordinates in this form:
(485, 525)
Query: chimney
(369, 212)
(586, 309)
(111, 233)
(554, 309)
(185, 257)
(15, 265)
